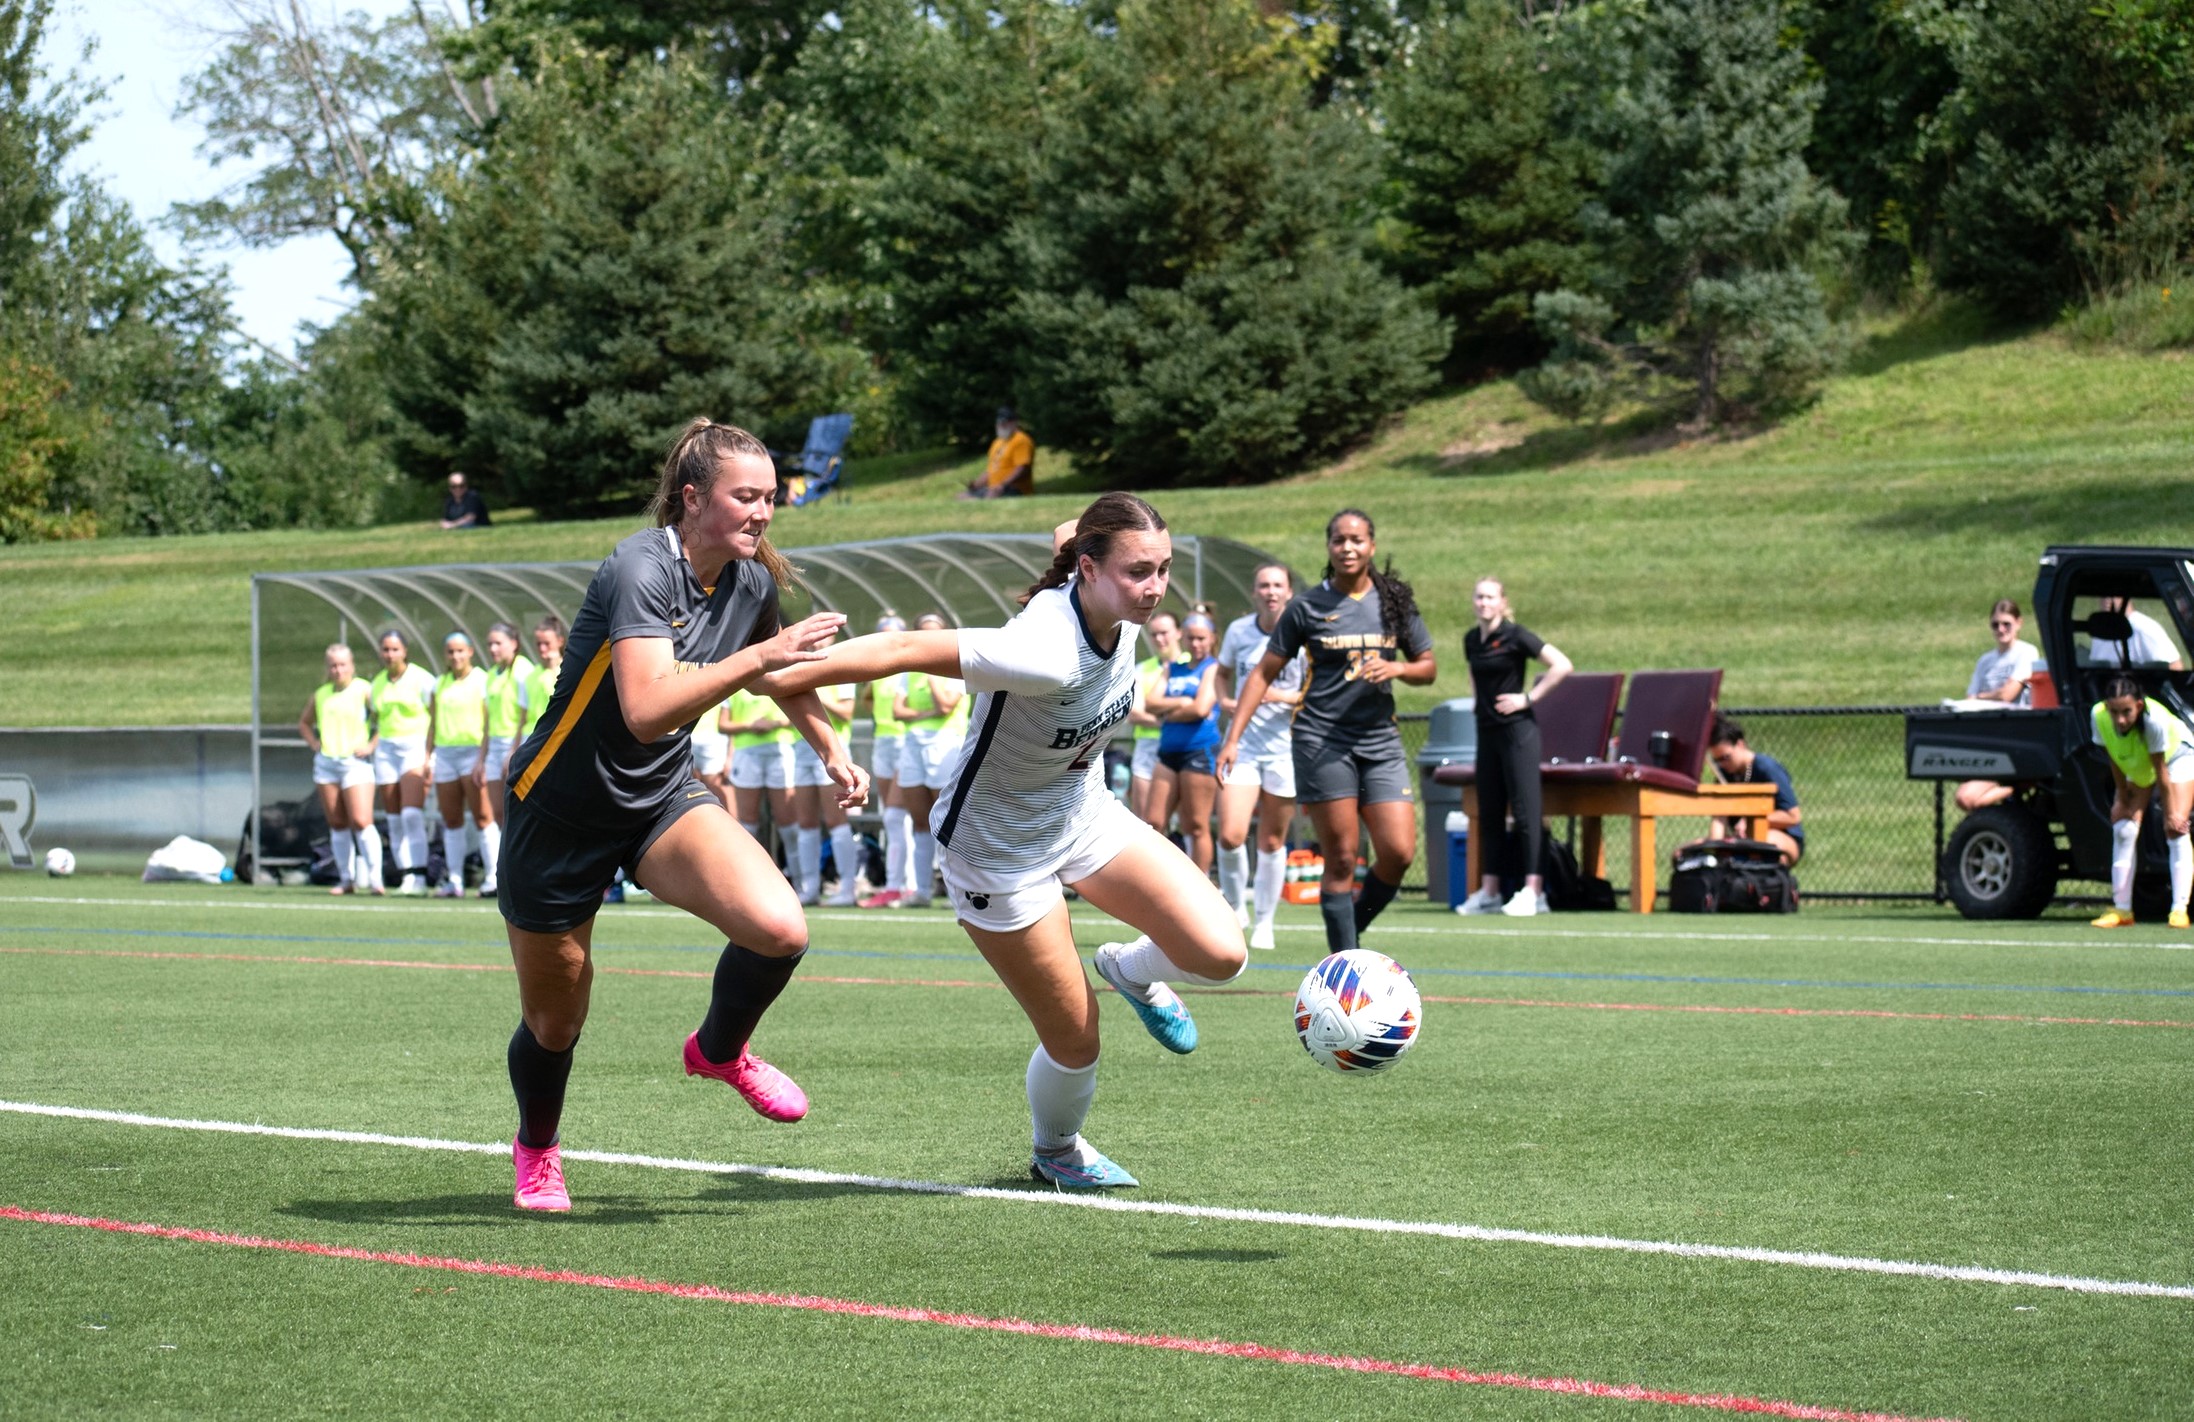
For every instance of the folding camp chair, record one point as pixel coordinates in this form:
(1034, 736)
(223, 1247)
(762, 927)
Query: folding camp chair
(806, 477)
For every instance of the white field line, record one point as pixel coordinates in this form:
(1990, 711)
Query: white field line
(1115, 1204)
(920, 918)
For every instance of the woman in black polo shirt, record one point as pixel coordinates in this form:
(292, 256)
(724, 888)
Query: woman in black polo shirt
(1500, 652)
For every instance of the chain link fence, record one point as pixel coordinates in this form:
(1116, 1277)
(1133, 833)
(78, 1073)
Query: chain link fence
(1870, 832)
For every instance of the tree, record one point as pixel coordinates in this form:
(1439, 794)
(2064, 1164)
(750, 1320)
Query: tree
(345, 120)
(1712, 235)
(617, 261)
(1486, 189)
(2071, 132)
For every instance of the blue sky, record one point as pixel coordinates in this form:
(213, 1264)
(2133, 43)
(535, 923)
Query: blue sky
(147, 156)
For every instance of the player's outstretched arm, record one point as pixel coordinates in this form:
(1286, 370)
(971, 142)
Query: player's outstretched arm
(879, 654)
(658, 695)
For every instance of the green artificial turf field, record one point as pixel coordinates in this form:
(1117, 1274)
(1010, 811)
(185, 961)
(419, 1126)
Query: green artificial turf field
(1871, 1085)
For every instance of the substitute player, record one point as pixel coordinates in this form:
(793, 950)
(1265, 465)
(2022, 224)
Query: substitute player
(814, 811)
(761, 764)
(677, 618)
(1361, 630)
(934, 712)
(1028, 810)
(1263, 778)
(1186, 704)
(548, 647)
(511, 689)
(459, 739)
(1163, 632)
(2150, 750)
(403, 701)
(338, 724)
(885, 760)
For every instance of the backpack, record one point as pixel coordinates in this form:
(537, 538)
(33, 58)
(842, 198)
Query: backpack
(1567, 888)
(1731, 876)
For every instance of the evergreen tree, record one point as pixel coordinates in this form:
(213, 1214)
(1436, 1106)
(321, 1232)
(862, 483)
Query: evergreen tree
(1712, 234)
(1197, 301)
(616, 262)
(1487, 190)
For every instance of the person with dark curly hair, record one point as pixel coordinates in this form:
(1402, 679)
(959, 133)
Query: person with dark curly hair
(1361, 630)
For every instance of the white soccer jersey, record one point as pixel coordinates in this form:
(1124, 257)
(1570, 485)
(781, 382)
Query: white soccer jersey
(1240, 652)
(1031, 776)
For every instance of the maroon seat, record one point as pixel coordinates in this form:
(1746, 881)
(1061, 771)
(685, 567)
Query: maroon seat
(1575, 720)
(1678, 702)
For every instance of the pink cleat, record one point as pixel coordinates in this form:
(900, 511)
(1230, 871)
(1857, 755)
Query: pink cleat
(540, 1178)
(761, 1085)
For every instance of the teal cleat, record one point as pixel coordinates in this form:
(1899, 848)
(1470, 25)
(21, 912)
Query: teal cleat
(1097, 1173)
(1164, 1015)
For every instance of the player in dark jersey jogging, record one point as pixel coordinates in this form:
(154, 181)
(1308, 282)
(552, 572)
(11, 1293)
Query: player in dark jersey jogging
(1361, 630)
(678, 617)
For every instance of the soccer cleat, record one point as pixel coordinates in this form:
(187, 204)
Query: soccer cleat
(2179, 919)
(1480, 902)
(2115, 918)
(1096, 1173)
(759, 1084)
(1525, 904)
(1260, 937)
(414, 886)
(540, 1178)
(1241, 916)
(883, 899)
(340, 889)
(488, 888)
(1164, 1016)
(843, 898)
(912, 901)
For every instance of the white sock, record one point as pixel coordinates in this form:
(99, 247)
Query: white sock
(411, 850)
(1144, 962)
(342, 845)
(925, 864)
(1271, 878)
(809, 844)
(1058, 1101)
(456, 844)
(2123, 836)
(845, 852)
(2182, 870)
(898, 847)
(1233, 871)
(369, 850)
(788, 847)
(491, 849)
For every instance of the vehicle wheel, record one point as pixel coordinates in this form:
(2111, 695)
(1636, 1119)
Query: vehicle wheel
(2001, 863)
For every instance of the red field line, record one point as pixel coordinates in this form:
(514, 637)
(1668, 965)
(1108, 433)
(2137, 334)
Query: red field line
(1576, 1006)
(1076, 1333)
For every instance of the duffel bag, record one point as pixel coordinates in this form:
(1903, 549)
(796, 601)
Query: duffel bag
(1731, 876)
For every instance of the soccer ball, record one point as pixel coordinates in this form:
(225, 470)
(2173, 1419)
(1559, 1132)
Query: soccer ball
(1357, 1011)
(60, 863)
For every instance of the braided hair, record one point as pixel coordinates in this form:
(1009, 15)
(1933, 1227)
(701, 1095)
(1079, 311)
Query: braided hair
(1111, 515)
(2124, 687)
(1397, 599)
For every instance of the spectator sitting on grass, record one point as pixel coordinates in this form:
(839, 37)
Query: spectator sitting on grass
(1740, 764)
(1011, 469)
(464, 508)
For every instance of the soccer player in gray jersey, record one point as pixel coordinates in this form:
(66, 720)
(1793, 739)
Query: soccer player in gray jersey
(1028, 811)
(1362, 633)
(1263, 778)
(677, 618)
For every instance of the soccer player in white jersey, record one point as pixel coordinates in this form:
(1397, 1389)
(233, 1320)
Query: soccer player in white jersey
(1028, 811)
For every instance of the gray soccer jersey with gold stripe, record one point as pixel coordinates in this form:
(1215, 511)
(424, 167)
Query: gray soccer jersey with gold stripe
(582, 764)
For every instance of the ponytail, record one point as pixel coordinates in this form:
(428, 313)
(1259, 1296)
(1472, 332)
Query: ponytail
(1112, 514)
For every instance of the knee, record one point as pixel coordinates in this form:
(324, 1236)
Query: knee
(1075, 1047)
(775, 935)
(556, 1028)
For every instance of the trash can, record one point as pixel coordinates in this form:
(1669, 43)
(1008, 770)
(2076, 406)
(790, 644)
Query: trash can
(1450, 739)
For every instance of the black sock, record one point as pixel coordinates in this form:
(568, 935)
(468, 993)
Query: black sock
(537, 1077)
(1340, 916)
(746, 984)
(1376, 895)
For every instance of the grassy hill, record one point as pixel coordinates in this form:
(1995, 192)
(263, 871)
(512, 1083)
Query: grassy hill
(1849, 555)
